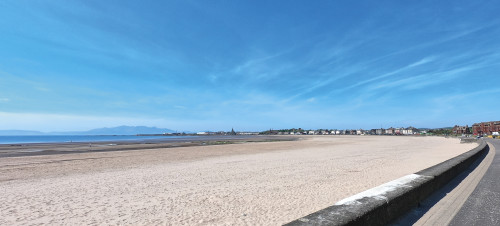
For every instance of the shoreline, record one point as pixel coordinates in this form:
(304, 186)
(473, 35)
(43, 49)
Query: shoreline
(35, 149)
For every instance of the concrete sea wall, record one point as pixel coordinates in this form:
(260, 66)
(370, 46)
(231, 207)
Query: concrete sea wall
(387, 202)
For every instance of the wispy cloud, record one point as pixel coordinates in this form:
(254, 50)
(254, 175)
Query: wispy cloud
(394, 72)
(443, 104)
(249, 64)
(405, 71)
(332, 77)
(19, 79)
(261, 68)
(449, 36)
(464, 95)
(306, 67)
(431, 78)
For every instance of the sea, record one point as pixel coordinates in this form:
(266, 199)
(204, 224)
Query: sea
(78, 138)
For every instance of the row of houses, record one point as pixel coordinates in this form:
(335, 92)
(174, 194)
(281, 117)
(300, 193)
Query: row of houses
(381, 131)
(224, 133)
(486, 128)
(482, 128)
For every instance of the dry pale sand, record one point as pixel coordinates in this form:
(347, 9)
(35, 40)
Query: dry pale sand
(237, 184)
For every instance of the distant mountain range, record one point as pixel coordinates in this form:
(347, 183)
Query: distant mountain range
(120, 130)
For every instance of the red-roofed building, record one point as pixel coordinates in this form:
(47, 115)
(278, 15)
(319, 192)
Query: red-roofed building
(486, 128)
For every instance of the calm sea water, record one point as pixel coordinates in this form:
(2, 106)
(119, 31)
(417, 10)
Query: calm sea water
(75, 138)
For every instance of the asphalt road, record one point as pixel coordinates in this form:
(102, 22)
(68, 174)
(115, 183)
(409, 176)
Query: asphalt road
(482, 207)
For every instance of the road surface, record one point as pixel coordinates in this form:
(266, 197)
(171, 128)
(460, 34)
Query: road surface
(482, 207)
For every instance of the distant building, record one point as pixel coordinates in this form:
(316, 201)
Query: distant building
(461, 129)
(248, 133)
(410, 131)
(486, 128)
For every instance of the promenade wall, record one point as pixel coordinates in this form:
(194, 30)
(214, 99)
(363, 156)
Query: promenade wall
(387, 202)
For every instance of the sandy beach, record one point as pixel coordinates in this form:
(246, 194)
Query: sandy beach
(258, 183)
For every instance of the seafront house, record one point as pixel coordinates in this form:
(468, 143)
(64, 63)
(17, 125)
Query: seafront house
(486, 128)
(461, 129)
(409, 131)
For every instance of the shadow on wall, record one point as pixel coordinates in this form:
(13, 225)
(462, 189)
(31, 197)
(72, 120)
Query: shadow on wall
(415, 214)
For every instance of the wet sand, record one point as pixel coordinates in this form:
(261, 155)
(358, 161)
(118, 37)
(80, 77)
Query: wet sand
(255, 183)
(32, 149)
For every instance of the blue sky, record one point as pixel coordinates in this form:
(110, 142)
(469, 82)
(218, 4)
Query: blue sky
(251, 65)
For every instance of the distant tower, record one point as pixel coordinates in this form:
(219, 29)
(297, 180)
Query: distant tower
(232, 132)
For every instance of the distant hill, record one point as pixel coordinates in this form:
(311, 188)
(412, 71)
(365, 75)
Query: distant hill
(126, 130)
(120, 130)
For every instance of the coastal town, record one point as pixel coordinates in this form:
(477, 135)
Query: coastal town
(381, 131)
(478, 129)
